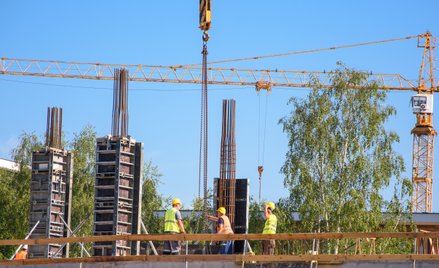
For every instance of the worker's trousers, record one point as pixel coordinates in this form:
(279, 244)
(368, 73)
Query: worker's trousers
(171, 247)
(268, 247)
(226, 247)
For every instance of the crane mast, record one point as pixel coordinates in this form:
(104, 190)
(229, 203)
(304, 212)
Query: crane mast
(424, 132)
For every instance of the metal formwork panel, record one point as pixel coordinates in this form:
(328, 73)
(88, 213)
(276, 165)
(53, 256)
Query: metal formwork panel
(50, 197)
(242, 202)
(117, 194)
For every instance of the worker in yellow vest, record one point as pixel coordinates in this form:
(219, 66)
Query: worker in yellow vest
(269, 228)
(173, 225)
(223, 226)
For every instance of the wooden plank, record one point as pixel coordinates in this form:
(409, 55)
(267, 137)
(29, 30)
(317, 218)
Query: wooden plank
(215, 237)
(143, 258)
(329, 258)
(336, 258)
(292, 258)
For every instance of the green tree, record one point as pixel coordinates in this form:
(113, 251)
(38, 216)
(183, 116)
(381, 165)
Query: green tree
(83, 147)
(194, 223)
(340, 158)
(15, 193)
(256, 224)
(151, 199)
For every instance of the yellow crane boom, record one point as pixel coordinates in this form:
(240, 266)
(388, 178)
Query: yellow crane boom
(188, 74)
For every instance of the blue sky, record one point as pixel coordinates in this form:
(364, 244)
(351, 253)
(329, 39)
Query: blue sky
(166, 117)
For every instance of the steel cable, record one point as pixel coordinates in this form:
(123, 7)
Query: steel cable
(307, 51)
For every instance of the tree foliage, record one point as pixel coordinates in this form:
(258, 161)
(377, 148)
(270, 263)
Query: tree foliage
(341, 158)
(151, 199)
(195, 223)
(15, 193)
(83, 147)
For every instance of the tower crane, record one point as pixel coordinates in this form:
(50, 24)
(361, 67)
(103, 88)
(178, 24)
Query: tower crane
(422, 102)
(424, 132)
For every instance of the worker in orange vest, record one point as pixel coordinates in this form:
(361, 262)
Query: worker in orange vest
(22, 254)
(223, 226)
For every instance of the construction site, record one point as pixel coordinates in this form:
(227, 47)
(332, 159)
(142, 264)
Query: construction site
(204, 151)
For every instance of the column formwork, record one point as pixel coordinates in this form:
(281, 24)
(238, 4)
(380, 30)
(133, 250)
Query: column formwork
(118, 188)
(50, 200)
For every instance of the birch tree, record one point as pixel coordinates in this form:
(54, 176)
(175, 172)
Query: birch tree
(341, 158)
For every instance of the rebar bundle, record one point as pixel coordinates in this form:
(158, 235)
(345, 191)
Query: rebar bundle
(202, 164)
(54, 128)
(119, 124)
(227, 181)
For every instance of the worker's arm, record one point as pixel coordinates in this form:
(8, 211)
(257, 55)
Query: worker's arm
(213, 218)
(180, 224)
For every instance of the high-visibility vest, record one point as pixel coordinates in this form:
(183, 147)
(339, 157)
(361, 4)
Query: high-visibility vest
(21, 255)
(270, 225)
(227, 228)
(171, 224)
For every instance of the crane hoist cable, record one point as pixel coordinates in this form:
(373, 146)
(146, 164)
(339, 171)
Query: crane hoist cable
(262, 130)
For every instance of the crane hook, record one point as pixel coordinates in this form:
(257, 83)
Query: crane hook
(205, 37)
(260, 170)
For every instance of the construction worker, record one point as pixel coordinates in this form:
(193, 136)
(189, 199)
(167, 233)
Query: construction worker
(173, 225)
(269, 228)
(22, 254)
(223, 226)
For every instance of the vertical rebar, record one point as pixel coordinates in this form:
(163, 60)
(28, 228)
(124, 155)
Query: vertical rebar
(119, 123)
(205, 131)
(233, 159)
(52, 120)
(60, 129)
(115, 86)
(54, 128)
(47, 127)
(227, 181)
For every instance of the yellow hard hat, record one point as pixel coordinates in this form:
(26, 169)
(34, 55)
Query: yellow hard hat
(222, 210)
(271, 205)
(176, 201)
